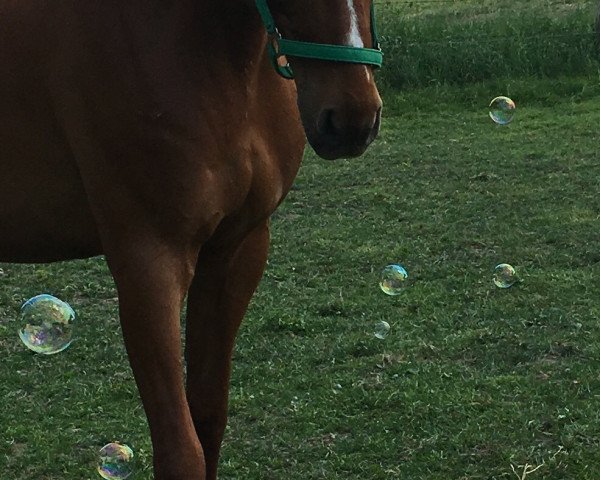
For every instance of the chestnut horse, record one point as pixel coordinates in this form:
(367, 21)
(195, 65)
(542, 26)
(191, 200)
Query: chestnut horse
(158, 133)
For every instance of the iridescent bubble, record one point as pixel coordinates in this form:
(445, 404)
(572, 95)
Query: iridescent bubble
(504, 276)
(47, 324)
(381, 329)
(502, 110)
(393, 279)
(116, 461)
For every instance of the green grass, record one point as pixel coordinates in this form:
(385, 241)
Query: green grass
(457, 42)
(471, 380)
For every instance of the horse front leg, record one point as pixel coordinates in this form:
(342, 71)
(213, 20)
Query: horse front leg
(152, 281)
(217, 302)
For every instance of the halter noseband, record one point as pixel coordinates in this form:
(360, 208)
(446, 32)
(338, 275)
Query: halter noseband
(279, 46)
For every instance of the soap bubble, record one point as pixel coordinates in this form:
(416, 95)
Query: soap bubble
(504, 276)
(393, 279)
(381, 330)
(116, 461)
(47, 324)
(502, 110)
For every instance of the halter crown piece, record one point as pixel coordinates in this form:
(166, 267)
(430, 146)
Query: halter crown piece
(278, 46)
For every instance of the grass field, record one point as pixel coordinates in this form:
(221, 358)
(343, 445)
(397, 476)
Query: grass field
(473, 382)
(471, 379)
(433, 42)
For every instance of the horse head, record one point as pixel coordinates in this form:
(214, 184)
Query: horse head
(332, 50)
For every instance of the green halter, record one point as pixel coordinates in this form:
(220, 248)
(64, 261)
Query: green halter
(279, 46)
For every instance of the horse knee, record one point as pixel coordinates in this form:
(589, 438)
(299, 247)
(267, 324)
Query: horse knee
(174, 464)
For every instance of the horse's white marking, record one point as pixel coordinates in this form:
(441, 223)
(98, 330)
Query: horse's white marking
(353, 38)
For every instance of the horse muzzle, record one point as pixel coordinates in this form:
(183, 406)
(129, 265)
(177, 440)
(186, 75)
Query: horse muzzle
(344, 133)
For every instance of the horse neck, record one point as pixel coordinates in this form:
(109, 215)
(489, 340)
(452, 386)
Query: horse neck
(239, 32)
(227, 33)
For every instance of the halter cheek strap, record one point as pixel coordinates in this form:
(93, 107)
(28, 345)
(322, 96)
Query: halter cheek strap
(278, 46)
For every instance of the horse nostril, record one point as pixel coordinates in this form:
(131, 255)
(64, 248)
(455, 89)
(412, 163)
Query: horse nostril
(349, 127)
(325, 124)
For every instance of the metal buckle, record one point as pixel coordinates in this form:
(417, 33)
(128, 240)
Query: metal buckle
(283, 68)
